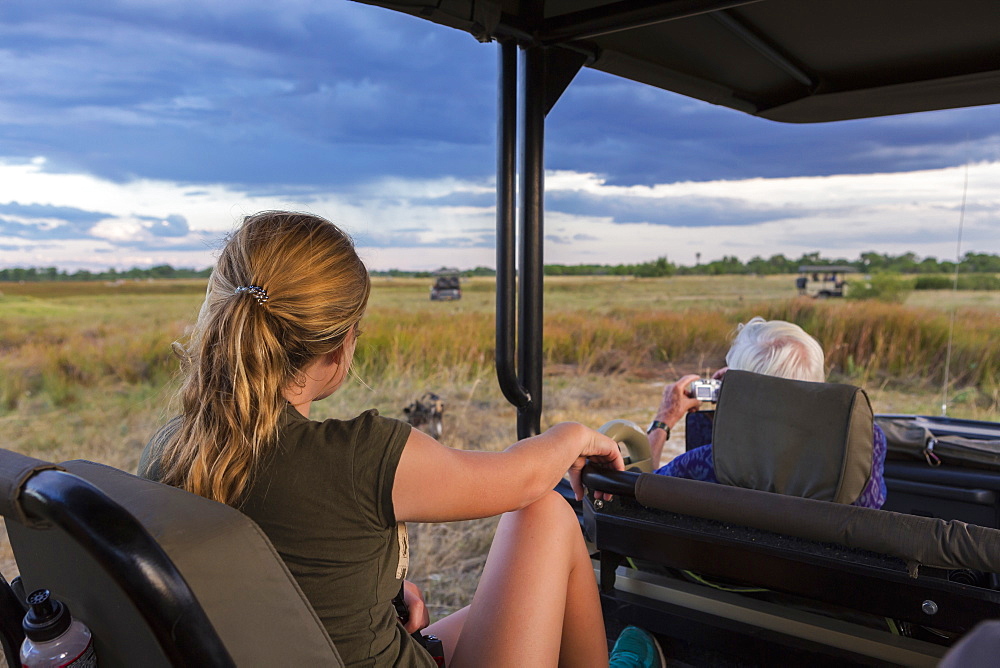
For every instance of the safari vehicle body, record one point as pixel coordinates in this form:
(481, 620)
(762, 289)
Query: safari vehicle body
(446, 288)
(822, 281)
(795, 61)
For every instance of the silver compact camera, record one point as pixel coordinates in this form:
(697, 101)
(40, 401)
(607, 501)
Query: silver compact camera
(705, 389)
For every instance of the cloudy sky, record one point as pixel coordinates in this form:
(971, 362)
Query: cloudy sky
(138, 132)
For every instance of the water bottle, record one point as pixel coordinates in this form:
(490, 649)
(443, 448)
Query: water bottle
(53, 638)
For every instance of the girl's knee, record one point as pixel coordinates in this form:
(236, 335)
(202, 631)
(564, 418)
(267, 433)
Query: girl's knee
(552, 509)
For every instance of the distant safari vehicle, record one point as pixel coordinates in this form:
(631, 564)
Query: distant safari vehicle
(823, 281)
(446, 288)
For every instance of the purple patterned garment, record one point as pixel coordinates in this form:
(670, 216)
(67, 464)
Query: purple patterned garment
(697, 464)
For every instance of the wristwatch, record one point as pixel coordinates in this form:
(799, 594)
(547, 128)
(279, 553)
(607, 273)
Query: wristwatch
(657, 424)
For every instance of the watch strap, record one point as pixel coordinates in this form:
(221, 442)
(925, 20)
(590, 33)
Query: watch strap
(657, 424)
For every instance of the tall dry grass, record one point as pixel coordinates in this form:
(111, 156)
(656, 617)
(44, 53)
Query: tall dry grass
(76, 349)
(86, 369)
(865, 340)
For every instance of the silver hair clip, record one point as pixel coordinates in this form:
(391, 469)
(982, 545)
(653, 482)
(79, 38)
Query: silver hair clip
(259, 293)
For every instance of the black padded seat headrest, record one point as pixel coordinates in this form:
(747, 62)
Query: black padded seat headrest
(15, 469)
(248, 594)
(793, 437)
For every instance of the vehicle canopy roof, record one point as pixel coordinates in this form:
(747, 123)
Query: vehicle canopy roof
(826, 269)
(799, 61)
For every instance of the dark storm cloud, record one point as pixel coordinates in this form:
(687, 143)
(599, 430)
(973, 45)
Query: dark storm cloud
(195, 242)
(66, 214)
(202, 93)
(482, 199)
(39, 222)
(415, 239)
(689, 211)
(43, 221)
(336, 93)
(13, 228)
(640, 135)
(171, 226)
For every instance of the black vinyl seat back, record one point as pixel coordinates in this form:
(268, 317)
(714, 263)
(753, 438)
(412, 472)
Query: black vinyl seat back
(240, 592)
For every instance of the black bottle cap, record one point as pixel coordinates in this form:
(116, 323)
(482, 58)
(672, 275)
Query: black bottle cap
(47, 618)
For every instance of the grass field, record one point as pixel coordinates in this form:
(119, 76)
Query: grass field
(86, 369)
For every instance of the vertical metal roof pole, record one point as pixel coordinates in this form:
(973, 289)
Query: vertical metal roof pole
(530, 276)
(506, 275)
(546, 73)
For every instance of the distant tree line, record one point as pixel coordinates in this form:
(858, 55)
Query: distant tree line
(18, 274)
(936, 271)
(658, 267)
(465, 273)
(867, 263)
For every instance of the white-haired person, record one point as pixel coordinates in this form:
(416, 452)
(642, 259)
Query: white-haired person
(768, 347)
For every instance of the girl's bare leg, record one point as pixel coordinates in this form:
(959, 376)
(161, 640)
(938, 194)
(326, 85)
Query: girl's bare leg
(537, 602)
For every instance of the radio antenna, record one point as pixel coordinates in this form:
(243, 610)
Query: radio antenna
(954, 287)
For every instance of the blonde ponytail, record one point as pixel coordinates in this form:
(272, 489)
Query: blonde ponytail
(288, 288)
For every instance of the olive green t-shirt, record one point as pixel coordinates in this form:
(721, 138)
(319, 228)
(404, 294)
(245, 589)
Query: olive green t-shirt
(325, 501)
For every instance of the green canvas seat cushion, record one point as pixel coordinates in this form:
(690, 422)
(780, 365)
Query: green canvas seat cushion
(916, 540)
(793, 437)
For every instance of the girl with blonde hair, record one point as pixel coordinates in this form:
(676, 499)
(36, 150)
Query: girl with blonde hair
(277, 331)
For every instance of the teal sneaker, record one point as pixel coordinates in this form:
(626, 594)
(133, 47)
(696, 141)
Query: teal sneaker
(636, 649)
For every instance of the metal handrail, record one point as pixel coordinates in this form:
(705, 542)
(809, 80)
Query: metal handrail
(506, 318)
